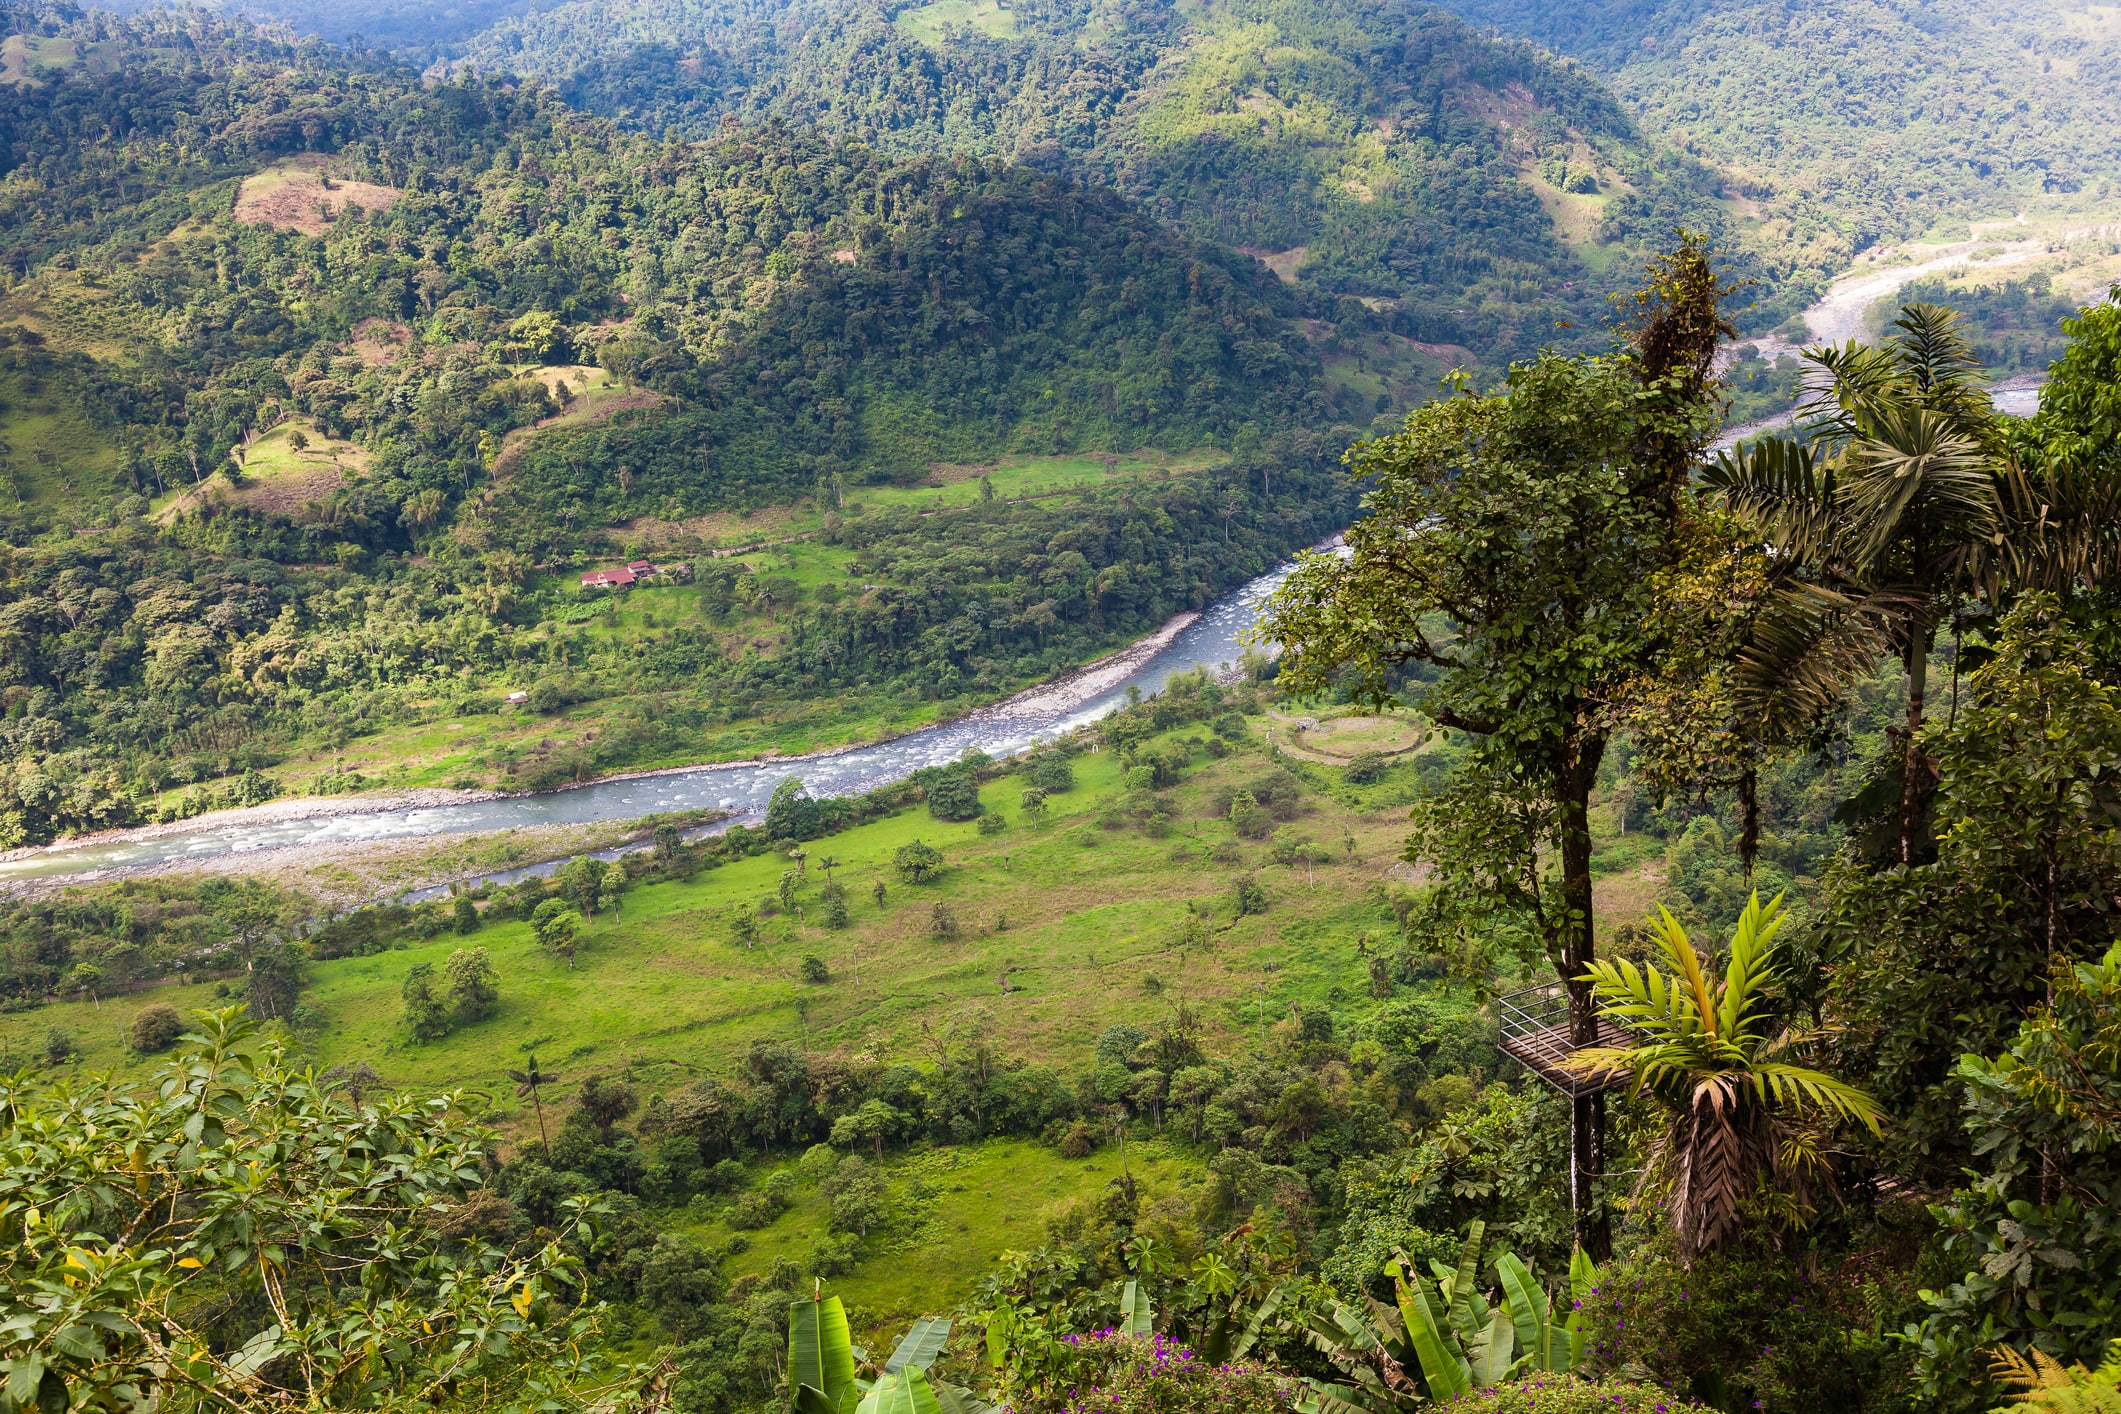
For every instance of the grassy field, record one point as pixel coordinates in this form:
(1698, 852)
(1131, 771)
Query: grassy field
(52, 452)
(1083, 916)
(1085, 920)
(928, 23)
(989, 1198)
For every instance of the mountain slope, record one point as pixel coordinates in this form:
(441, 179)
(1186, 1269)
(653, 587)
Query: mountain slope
(1869, 118)
(1380, 153)
(319, 384)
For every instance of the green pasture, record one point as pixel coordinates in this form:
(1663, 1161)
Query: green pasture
(1082, 916)
(929, 23)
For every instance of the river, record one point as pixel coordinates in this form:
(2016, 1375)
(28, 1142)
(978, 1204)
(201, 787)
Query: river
(742, 788)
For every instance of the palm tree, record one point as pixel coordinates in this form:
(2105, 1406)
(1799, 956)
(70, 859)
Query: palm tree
(1739, 1120)
(528, 1081)
(1884, 509)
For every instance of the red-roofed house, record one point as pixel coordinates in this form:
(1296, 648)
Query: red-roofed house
(642, 569)
(608, 579)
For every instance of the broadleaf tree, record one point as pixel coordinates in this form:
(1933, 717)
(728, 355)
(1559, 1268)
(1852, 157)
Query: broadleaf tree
(1505, 579)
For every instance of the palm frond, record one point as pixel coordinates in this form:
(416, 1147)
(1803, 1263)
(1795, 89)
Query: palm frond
(1752, 958)
(1808, 644)
(1933, 349)
(2060, 528)
(1806, 1088)
(1785, 487)
(1916, 462)
(1680, 949)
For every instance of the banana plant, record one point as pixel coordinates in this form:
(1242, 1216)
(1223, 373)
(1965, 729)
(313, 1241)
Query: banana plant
(821, 1368)
(1136, 1316)
(1443, 1341)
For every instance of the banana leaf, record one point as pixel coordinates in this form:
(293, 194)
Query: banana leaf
(1463, 1293)
(1136, 1316)
(920, 1345)
(1445, 1373)
(1583, 1275)
(821, 1351)
(809, 1399)
(906, 1392)
(956, 1399)
(1258, 1323)
(1527, 1305)
(1492, 1358)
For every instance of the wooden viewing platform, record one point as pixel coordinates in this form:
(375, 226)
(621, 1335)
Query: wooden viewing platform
(1535, 1034)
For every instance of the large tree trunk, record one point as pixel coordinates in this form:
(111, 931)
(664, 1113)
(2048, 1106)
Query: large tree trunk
(1915, 659)
(1586, 1112)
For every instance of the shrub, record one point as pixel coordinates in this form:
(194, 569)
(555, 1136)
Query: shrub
(1053, 774)
(156, 1028)
(835, 915)
(953, 793)
(466, 914)
(1542, 1393)
(1079, 1142)
(918, 863)
(1230, 726)
(753, 1210)
(1121, 1374)
(1033, 802)
(992, 823)
(1248, 817)
(813, 969)
(942, 922)
(1366, 769)
(1247, 895)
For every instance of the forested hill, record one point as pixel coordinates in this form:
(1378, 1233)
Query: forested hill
(317, 379)
(1381, 152)
(1867, 118)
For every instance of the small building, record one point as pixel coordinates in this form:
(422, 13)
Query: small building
(608, 579)
(641, 569)
(518, 697)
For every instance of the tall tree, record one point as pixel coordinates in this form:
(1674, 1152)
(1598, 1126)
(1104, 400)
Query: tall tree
(1511, 553)
(1882, 509)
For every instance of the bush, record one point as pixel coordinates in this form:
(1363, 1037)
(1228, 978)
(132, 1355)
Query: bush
(156, 1028)
(942, 922)
(1247, 895)
(953, 793)
(992, 823)
(918, 863)
(1542, 1393)
(1121, 1374)
(1248, 817)
(813, 969)
(753, 1210)
(1366, 769)
(1033, 802)
(1079, 1142)
(1053, 774)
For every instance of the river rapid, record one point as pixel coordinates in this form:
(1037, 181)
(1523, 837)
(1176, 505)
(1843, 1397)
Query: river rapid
(1210, 640)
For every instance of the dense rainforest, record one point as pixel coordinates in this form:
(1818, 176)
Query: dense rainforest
(775, 317)
(1859, 121)
(1387, 153)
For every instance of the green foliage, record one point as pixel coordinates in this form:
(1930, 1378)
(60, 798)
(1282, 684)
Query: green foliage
(953, 792)
(426, 1015)
(1746, 1325)
(918, 863)
(473, 984)
(1949, 957)
(2045, 1265)
(1707, 1053)
(261, 1208)
(1858, 120)
(155, 1028)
